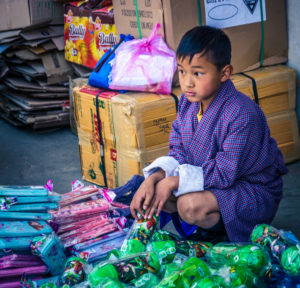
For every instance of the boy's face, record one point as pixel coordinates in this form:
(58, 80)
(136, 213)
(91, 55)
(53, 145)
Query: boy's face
(199, 79)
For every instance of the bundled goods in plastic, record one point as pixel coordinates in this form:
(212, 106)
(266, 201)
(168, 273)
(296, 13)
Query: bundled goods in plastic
(255, 257)
(167, 249)
(284, 249)
(125, 269)
(24, 211)
(50, 250)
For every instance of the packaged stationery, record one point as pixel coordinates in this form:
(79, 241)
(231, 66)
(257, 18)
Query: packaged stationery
(51, 252)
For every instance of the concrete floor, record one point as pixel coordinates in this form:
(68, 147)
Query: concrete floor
(31, 158)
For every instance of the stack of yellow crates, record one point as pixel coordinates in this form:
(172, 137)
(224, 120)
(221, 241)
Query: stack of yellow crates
(276, 90)
(134, 127)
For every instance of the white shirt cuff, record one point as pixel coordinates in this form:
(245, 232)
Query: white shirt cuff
(190, 179)
(166, 163)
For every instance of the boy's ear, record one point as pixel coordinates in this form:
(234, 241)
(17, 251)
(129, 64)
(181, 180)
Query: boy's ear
(226, 72)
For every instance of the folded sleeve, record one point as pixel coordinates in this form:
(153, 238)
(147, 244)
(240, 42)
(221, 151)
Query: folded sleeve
(190, 179)
(166, 163)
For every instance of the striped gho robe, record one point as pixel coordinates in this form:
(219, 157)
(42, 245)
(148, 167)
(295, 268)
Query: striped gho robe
(230, 153)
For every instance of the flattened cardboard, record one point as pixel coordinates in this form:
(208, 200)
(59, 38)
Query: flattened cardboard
(59, 43)
(23, 13)
(30, 104)
(57, 69)
(25, 54)
(22, 69)
(9, 34)
(45, 32)
(18, 83)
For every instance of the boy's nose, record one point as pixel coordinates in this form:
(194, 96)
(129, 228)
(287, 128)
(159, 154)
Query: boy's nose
(189, 81)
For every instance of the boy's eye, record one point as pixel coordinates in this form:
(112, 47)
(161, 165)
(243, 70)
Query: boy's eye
(198, 74)
(181, 72)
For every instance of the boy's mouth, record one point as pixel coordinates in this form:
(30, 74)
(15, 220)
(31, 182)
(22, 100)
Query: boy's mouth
(189, 93)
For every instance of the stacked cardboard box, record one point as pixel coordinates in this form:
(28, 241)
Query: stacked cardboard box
(131, 129)
(241, 20)
(276, 90)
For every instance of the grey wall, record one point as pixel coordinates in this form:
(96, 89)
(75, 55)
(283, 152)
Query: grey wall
(293, 21)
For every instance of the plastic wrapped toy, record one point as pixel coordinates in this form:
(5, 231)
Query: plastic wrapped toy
(125, 269)
(74, 272)
(51, 252)
(250, 255)
(284, 249)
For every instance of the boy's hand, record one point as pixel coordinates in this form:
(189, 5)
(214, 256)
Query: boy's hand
(163, 191)
(143, 196)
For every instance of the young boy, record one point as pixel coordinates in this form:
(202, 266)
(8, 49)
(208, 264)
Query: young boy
(223, 168)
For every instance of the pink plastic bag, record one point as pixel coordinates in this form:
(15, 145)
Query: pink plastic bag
(146, 64)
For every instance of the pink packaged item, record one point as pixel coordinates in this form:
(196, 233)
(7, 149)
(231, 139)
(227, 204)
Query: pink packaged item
(17, 260)
(84, 208)
(88, 227)
(90, 235)
(78, 194)
(80, 223)
(146, 64)
(73, 219)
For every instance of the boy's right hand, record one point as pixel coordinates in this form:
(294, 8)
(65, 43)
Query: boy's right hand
(144, 195)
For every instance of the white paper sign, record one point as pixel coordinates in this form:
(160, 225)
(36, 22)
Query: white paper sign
(229, 13)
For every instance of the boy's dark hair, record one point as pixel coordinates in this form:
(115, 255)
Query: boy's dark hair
(209, 41)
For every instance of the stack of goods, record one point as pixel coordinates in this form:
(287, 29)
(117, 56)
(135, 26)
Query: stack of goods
(89, 31)
(150, 258)
(23, 216)
(268, 42)
(145, 117)
(88, 222)
(274, 89)
(34, 88)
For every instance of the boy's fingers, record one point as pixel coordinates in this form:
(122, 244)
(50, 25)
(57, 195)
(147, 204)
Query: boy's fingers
(154, 206)
(148, 200)
(159, 208)
(133, 213)
(149, 207)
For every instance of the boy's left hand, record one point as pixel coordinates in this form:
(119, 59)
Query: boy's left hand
(163, 191)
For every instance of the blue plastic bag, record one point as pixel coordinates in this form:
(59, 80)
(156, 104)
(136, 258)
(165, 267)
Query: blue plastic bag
(100, 77)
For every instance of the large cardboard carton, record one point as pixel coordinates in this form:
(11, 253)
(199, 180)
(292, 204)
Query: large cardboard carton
(134, 129)
(91, 132)
(276, 87)
(284, 129)
(22, 13)
(177, 17)
(145, 117)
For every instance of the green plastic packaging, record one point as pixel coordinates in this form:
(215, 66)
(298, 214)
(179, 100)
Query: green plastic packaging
(167, 249)
(131, 246)
(213, 281)
(162, 235)
(237, 276)
(109, 283)
(193, 270)
(125, 269)
(253, 256)
(290, 260)
(147, 280)
(281, 247)
(170, 268)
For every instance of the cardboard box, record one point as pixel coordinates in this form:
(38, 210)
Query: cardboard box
(284, 129)
(22, 13)
(88, 34)
(135, 130)
(245, 39)
(88, 129)
(145, 117)
(276, 87)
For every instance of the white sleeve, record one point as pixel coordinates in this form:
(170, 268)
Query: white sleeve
(190, 179)
(166, 163)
